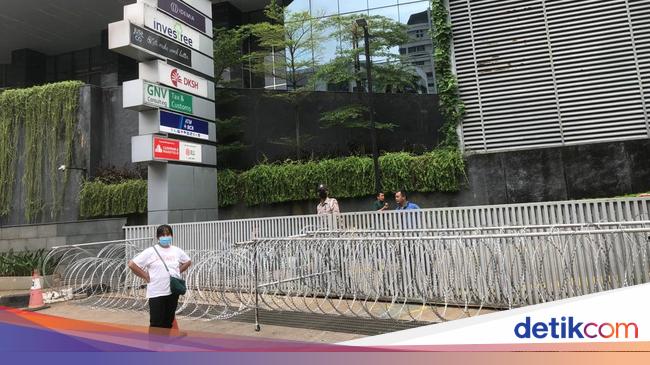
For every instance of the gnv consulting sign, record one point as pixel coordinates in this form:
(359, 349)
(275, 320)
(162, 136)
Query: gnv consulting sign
(167, 98)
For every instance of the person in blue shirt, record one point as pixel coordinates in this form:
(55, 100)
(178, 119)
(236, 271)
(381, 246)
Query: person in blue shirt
(403, 203)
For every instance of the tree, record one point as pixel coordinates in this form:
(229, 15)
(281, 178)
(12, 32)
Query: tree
(227, 52)
(390, 73)
(295, 36)
(351, 116)
(227, 55)
(381, 36)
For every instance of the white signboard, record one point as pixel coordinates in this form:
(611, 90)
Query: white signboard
(161, 72)
(147, 148)
(142, 95)
(144, 15)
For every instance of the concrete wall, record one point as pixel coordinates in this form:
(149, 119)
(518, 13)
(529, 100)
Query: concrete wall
(117, 127)
(80, 158)
(565, 173)
(102, 139)
(34, 237)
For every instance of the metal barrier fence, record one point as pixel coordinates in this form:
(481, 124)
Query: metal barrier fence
(418, 275)
(221, 235)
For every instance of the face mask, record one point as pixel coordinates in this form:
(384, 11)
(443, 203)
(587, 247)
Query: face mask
(165, 241)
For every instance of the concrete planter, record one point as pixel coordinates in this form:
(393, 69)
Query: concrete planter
(20, 282)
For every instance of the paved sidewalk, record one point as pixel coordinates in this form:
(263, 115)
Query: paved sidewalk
(225, 327)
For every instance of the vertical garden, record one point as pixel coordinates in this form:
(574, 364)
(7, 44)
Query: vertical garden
(37, 135)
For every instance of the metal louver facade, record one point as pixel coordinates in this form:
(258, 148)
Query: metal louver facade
(552, 73)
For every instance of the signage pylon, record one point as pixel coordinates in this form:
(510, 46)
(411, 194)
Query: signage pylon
(174, 96)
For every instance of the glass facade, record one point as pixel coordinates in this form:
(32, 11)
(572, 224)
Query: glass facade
(403, 62)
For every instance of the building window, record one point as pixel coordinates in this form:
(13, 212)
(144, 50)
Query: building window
(335, 45)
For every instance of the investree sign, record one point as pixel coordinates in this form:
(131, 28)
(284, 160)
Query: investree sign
(142, 95)
(160, 72)
(145, 15)
(144, 45)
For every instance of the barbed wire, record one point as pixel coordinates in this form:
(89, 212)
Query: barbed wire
(415, 275)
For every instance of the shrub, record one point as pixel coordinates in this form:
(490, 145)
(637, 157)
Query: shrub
(346, 177)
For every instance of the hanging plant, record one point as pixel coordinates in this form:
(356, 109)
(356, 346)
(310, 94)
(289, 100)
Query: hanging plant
(47, 116)
(11, 118)
(451, 106)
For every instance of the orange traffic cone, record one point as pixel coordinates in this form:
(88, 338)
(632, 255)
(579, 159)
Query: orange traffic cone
(36, 293)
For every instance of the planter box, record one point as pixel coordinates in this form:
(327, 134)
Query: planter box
(21, 282)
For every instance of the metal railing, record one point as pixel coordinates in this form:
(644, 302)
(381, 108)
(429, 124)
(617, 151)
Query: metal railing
(419, 275)
(221, 235)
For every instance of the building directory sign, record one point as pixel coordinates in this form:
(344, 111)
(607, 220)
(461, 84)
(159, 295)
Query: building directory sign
(152, 148)
(144, 15)
(174, 150)
(205, 7)
(161, 45)
(144, 95)
(143, 44)
(167, 98)
(185, 13)
(161, 72)
(183, 125)
(174, 95)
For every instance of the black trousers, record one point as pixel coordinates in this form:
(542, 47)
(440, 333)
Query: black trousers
(162, 311)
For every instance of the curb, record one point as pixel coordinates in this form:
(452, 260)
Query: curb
(15, 300)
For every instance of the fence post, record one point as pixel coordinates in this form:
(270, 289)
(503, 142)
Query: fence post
(257, 307)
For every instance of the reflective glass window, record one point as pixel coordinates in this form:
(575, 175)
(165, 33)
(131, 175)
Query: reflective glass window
(320, 8)
(412, 11)
(380, 3)
(350, 6)
(297, 6)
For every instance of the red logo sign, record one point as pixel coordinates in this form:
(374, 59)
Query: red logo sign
(176, 78)
(166, 149)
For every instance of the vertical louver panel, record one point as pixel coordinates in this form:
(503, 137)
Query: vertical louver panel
(550, 73)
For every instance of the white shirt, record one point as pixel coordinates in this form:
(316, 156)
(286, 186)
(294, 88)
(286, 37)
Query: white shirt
(149, 262)
(328, 206)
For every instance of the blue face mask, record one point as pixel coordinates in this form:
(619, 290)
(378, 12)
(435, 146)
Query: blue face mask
(165, 241)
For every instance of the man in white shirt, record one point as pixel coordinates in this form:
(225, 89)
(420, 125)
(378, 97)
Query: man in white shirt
(327, 205)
